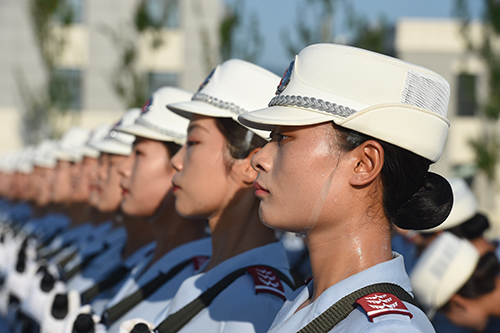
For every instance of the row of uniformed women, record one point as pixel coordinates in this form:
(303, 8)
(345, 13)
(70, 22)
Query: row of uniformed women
(337, 186)
(352, 136)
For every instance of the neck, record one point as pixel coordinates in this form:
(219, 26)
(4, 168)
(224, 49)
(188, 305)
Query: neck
(350, 247)
(139, 234)
(172, 230)
(39, 211)
(238, 229)
(98, 217)
(78, 213)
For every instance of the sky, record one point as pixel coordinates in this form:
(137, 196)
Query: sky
(278, 17)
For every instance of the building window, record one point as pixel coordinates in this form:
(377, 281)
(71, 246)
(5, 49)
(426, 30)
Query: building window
(467, 105)
(71, 10)
(157, 80)
(164, 12)
(66, 89)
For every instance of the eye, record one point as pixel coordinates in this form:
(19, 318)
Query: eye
(190, 143)
(278, 137)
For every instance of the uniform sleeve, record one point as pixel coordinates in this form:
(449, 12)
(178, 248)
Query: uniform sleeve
(254, 315)
(394, 325)
(244, 310)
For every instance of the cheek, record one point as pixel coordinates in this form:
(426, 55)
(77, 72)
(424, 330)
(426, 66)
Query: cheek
(300, 184)
(204, 183)
(148, 188)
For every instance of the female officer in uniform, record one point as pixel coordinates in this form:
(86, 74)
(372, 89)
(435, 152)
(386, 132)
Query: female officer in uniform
(214, 180)
(353, 135)
(181, 244)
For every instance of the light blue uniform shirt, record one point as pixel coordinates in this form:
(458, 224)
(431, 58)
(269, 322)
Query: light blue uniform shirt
(392, 271)
(149, 308)
(237, 308)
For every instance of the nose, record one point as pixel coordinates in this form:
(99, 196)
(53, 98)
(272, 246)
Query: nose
(178, 158)
(260, 161)
(125, 166)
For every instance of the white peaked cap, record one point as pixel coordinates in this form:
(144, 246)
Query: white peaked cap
(156, 122)
(464, 206)
(233, 88)
(44, 155)
(376, 95)
(97, 134)
(9, 162)
(71, 144)
(442, 269)
(115, 142)
(25, 161)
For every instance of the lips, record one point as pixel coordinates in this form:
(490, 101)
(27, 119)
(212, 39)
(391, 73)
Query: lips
(174, 187)
(259, 190)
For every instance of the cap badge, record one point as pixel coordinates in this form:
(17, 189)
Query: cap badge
(145, 108)
(285, 80)
(206, 80)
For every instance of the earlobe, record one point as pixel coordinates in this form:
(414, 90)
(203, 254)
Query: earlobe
(369, 158)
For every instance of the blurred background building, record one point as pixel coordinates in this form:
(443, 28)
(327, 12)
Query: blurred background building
(100, 37)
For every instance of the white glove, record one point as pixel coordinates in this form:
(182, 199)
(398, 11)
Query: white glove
(100, 328)
(35, 304)
(53, 325)
(18, 283)
(69, 321)
(128, 325)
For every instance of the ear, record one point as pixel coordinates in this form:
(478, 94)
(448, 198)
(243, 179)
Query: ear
(369, 159)
(458, 303)
(243, 168)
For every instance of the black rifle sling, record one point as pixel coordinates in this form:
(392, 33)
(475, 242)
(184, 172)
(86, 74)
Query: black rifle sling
(83, 264)
(109, 281)
(119, 309)
(326, 321)
(176, 321)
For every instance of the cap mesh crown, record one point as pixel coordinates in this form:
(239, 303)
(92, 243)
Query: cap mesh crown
(426, 92)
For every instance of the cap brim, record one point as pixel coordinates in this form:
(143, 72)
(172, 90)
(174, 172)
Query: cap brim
(187, 109)
(90, 152)
(67, 156)
(143, 131)
(266, 119)
(112, 147)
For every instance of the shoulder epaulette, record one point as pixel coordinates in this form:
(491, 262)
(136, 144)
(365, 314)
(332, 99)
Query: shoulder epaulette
(266, 281)
(199, 261)
(378, 304)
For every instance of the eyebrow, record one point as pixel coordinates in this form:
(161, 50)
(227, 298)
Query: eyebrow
(192, 127)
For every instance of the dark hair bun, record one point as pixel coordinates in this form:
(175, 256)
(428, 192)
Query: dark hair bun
(428, 207)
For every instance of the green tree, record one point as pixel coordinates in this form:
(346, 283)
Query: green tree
(45, 105)
(321, 21)
(316, 22)
(487, 145)
(239, 36)
(129, 81)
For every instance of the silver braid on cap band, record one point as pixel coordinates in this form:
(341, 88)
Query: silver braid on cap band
(153, 127)
(312, 103)
(218, 103)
